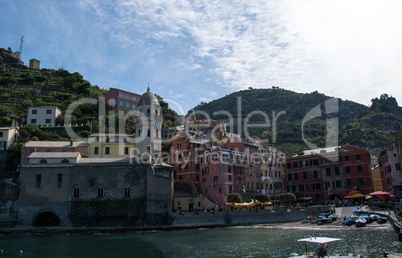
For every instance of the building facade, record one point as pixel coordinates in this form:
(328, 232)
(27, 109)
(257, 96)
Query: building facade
(8, 136)
(43, 116)
(120, 99)
(330, 173)
(390, 166)
(110, 145)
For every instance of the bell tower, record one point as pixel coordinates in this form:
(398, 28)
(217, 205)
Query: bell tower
(148, 133)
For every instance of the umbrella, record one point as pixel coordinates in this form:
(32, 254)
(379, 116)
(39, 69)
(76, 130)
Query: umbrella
(392, 196)
(379, 193)
(354, 196)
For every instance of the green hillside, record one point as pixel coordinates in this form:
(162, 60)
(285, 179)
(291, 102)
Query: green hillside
(360, 125)
(21, 87)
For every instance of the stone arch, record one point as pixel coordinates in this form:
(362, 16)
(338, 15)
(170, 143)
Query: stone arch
(65, 161)
(43, 161)
(46, 219)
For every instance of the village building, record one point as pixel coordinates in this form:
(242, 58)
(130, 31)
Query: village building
(111, 145)
(390, 166)
(119, 99)
(329, 173)
(43, 116)
(8, 136)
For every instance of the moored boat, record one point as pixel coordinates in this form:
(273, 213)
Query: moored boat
(323, 250)
(361, 222)
(382, 220)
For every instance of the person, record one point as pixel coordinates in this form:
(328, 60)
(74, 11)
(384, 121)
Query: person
(322, 252)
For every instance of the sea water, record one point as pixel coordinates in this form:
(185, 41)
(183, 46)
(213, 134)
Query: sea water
(247, 241)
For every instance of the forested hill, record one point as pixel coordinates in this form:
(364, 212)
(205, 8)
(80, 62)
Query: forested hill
(368, 127)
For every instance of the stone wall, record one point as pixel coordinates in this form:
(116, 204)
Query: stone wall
(148, 202)
(9, 196)
(189, 219)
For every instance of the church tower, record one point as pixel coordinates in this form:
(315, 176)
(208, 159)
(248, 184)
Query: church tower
(148, 132)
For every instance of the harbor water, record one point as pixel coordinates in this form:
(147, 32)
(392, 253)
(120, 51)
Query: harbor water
(245, 241)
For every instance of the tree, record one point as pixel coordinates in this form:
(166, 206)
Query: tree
(262, 197)
(5, 120)
(234, 198)
(287, 197)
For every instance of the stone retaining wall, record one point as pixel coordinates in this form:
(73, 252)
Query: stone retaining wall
(244, 217)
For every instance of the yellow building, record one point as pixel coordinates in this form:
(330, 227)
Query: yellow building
(186, 198)
(110, 145)
(378, 179)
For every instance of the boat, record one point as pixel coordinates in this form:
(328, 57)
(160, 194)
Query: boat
(324, 219)
(382, 220)
(347, 222)
(333, 216)
(374, 217)
(357, 210)
(366, 217)
(317, 240)
(361, 222)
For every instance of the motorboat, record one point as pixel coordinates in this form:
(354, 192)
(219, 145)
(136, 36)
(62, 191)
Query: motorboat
(324, 219)
(317, 240)
(361, 222)
(357, 210)
(348, 222)
(366, 217)
(382, 220)
(374, 217)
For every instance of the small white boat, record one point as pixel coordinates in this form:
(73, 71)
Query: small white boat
(357, 210)
(361, 222)
(317, 240)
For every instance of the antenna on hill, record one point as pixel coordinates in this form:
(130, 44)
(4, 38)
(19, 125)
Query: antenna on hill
(22, 41)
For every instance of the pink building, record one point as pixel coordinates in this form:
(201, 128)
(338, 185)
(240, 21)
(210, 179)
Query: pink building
(391, 167)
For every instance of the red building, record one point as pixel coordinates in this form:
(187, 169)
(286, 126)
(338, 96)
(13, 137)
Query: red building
(218, 169)
(330, 173)
(120, 99)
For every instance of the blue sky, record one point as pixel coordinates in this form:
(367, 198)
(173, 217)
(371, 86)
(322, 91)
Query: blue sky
(193, 51)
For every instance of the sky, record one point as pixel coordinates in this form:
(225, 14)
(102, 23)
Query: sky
(197, 51)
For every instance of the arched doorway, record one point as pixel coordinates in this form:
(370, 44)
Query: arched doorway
(46, 219)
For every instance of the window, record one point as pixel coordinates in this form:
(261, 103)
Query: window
(48, 121)
(59, 180)
(304, 175)
(359, 168)
(148, 111)
(48, 111)
(149, 133)
(337, 173)
(38, 180)
(289, 177)
(96, 150)
(315, 174)
(76, 192)
(127, 191)
(128, 105)
(100, 192)
(296, 176)
(133, 106)
(357, 157)
(346, 158)
(34, 111)
(121, 94)
(349, 182)
(134, 98)
(295, 164)
(347, 169)
(125, 150)
(289, 165)
(229, 178)
(107, 150)
(128, 96)
(328, 171)
(121, 103)
(1, 134)
(180, 177)
(361, 181)
(33, 121)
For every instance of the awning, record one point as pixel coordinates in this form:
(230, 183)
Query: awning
(319, 240)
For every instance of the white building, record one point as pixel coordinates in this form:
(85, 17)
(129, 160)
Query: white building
(43, 116)
(8, 135)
